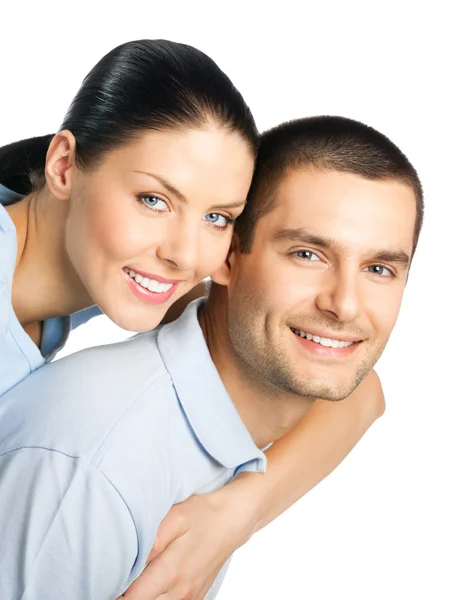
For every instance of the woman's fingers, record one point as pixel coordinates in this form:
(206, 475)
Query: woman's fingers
(193, 542)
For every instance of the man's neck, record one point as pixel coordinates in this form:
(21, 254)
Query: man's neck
(45, 284)
(267, 411)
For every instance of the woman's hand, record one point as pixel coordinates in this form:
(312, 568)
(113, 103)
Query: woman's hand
(193, 542)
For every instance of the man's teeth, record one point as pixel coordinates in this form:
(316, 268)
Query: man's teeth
(149, 284)
(327, 342)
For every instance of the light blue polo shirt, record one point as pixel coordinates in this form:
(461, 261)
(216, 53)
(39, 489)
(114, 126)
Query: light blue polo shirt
(19, 355)
(94, 450)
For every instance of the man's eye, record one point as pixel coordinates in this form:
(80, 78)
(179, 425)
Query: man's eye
(306, 255)
(380, 270)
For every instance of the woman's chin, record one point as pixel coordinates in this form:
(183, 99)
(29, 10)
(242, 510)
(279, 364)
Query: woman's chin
(137, 323)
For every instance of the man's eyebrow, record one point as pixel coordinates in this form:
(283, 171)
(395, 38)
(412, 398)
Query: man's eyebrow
(391, 256)
(166, 184)
(301, 235)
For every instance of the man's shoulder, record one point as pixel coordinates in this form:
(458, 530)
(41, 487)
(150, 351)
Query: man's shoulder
(108, 413)
(79, 404)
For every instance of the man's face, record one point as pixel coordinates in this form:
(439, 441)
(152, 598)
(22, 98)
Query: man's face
(312, 306)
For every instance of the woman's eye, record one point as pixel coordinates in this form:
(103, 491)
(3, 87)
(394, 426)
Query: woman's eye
(154, 203)
(306, 255)
(380, 270)
(217, 220)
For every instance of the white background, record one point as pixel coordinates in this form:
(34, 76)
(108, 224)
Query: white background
(396, 520)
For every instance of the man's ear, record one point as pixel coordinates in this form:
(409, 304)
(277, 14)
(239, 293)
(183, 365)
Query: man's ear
(223, 275)
(60, 160)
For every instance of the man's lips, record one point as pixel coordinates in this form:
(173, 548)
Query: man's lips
(326, 334)
(339, 346)
(324, 348)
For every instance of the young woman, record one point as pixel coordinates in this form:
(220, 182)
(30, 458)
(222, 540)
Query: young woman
(125, 211)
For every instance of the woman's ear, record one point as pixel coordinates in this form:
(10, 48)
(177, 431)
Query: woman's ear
(223, 275)
(60, 159)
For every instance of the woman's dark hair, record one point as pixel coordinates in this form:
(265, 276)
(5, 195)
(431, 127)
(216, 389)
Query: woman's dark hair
(138, 86)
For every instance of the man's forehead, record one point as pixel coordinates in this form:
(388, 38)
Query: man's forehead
(351, 210)
(317, 182)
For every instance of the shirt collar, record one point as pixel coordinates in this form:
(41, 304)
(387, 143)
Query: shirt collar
(202, 395)
(55, 335)
(8, 196)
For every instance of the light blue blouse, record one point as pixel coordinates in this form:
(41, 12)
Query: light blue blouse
(19, 356)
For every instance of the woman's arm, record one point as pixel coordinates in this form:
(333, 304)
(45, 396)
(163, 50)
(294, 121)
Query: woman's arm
(198, 535)
(325, 436)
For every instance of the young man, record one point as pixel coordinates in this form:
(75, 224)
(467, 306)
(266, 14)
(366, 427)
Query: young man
(95, 448)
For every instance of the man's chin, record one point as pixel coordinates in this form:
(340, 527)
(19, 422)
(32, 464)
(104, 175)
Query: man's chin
(329, 382)
(333, 391)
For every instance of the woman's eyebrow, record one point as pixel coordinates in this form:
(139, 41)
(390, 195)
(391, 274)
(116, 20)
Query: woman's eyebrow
(166, 184)
(176, 192)
(237, 204)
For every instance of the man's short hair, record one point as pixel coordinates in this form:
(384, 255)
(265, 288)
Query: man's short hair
(326, 144)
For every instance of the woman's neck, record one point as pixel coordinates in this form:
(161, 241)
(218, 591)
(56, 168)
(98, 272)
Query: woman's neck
(45, 284)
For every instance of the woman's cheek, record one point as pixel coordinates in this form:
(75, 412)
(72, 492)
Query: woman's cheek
(215, 257)
(120, 235)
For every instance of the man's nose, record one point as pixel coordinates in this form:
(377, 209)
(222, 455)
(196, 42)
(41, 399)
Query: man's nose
(339, 298)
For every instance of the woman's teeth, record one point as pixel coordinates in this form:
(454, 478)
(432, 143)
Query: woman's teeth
(327, 342)
(149, 284)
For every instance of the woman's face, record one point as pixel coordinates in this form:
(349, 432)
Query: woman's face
(155, 218)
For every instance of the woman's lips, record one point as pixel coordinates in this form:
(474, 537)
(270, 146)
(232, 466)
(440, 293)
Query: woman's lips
(151, 288)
